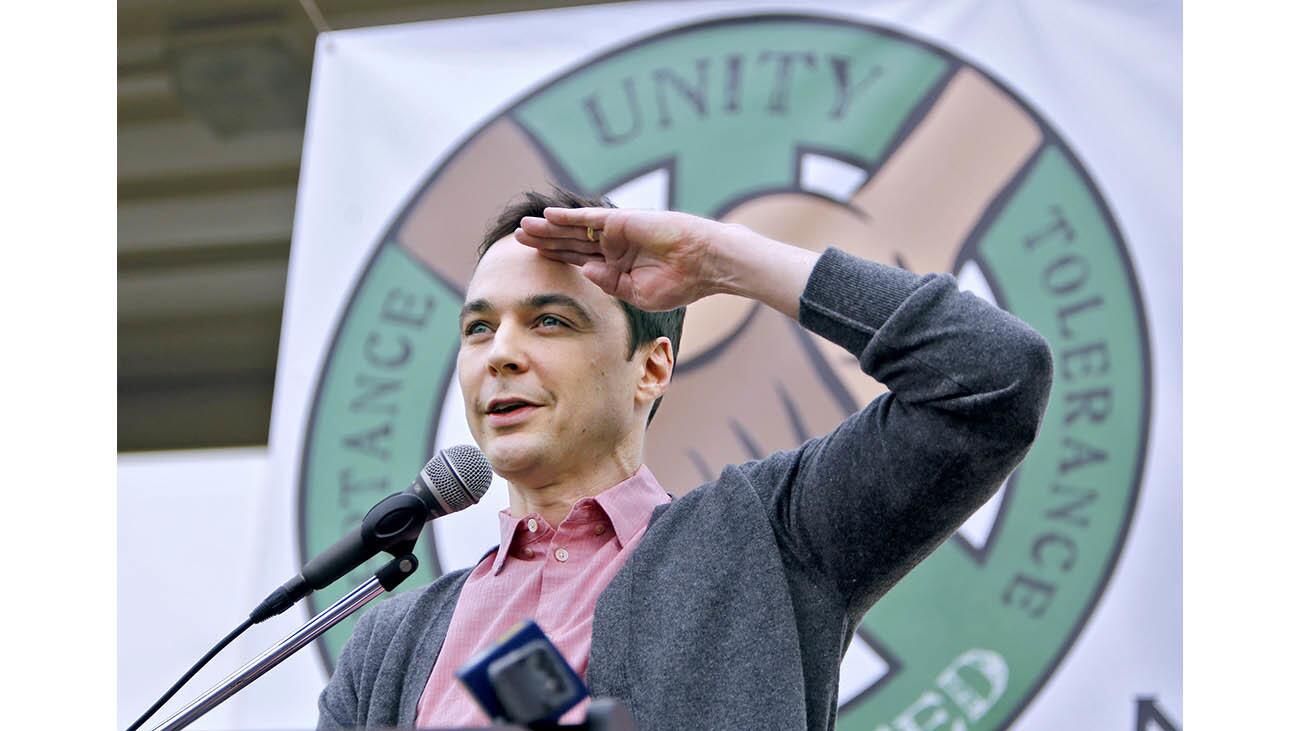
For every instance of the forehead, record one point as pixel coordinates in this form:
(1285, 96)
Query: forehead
(510, 273)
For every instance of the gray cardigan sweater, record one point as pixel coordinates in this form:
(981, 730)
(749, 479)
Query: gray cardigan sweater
(736, 608)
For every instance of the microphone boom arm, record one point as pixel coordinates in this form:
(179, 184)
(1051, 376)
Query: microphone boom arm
(385, 579)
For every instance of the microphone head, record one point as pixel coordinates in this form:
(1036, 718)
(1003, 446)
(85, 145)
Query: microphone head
(457, 477)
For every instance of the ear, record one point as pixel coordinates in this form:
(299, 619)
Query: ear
(656, 370)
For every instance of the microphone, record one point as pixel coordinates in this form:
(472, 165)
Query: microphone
(453, 480)
(522, 678)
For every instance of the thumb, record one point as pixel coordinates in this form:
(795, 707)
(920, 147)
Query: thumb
(602, 275)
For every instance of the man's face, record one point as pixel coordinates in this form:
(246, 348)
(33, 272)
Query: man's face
(544, 342)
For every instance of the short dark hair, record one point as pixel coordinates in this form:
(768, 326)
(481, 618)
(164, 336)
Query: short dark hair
(642, 326)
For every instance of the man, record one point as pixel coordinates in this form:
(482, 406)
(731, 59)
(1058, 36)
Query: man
(729, 607)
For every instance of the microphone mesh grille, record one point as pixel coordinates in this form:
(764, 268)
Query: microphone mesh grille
(461, 479)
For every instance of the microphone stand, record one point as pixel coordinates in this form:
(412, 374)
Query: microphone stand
(385, 579)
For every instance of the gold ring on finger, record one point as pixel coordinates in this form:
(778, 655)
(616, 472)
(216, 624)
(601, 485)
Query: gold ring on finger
(592, 234)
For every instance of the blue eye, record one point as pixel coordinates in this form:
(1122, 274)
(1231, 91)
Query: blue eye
(548, 320)
(471, 329)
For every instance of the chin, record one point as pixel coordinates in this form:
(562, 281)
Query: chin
(515, 455)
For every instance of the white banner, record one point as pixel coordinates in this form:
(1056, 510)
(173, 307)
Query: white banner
(1031, 149)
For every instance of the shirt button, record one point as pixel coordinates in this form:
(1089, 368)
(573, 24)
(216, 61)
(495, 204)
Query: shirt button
(526, 553)
(532, 525)
(561, 555)
(600, 530)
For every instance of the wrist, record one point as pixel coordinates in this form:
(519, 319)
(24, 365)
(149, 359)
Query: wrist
(748, 264)
(731, 255)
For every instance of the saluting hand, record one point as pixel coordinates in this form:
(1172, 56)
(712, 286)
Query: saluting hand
(655, 260)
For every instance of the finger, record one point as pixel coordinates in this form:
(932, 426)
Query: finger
(541, 228)
(569, 257)
(594, 217)
(541, 244)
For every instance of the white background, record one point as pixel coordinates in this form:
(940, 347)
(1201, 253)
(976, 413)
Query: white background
(1105, 75)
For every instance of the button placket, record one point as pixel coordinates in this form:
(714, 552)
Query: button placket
(567, 531)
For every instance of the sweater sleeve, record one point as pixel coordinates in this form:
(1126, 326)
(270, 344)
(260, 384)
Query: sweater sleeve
(968, 385)
(340, 701)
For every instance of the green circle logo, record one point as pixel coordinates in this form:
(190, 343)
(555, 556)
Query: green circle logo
(818, 132)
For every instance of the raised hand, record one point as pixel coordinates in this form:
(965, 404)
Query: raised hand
(655, 260)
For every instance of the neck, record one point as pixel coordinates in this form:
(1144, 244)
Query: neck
(553, 497)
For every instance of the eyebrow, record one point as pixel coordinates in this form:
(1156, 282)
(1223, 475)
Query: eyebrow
(535, 302)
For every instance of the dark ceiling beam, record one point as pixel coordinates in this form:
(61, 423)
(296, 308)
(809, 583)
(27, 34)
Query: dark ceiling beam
(200, 182)
(158, 352)
(212, 289)
(220, 217)
(191, 257)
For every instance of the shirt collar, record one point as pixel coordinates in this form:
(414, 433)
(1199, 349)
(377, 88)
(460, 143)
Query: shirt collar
(628, 505)
(511, 527)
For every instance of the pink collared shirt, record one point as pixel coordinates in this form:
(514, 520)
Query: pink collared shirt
(553, 575)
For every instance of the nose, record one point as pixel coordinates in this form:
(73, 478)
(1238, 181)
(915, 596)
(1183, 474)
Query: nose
(507, 354)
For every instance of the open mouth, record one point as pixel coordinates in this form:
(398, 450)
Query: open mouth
(510, 412)
(507, 407)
